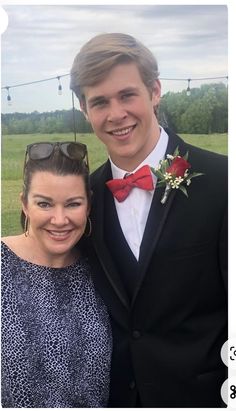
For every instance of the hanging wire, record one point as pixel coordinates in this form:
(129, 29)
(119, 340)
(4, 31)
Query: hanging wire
(65, 75)
(194, 79)
(73, 111)
(36, 81)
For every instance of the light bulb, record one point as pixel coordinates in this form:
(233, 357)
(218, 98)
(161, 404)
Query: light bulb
(188, 92)
(59, 86)
(9, 102)
(60, 89)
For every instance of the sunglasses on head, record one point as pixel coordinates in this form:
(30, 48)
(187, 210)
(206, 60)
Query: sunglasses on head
(42, 151)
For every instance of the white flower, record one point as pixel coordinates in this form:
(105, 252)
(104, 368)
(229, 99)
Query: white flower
(175, 183)
(167, 176)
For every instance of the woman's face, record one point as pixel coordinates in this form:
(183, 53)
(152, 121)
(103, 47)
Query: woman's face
(57, 208)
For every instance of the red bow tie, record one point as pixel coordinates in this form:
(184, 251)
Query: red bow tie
(121, 187)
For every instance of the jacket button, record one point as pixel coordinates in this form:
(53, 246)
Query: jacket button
(136, 334)
(132, 385)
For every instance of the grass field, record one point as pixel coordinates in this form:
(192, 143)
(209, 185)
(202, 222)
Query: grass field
(13, 150)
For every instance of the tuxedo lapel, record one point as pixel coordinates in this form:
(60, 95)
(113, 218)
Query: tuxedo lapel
(155, 223)
(98, 223)
(157, 217)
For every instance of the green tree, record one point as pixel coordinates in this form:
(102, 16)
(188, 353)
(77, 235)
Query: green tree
(204, 111)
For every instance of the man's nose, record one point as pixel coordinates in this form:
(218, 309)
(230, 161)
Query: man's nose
(117, 111)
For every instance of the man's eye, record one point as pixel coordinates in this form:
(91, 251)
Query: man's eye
(127, 95)
(99, 103)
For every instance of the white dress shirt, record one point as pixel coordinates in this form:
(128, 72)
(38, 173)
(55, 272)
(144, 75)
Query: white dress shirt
(133, 211)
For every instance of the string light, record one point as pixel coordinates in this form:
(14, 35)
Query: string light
(188, 91)
(34, 82)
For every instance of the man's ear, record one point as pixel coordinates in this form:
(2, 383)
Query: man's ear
(84, 108)
(156, 93)
(86, 115)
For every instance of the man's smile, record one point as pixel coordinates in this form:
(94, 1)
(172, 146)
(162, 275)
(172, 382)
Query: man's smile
(122, 131)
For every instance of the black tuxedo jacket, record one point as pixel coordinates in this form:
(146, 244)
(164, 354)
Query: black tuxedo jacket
(169, 310)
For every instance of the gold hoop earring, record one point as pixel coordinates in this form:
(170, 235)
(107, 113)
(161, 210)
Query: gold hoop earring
(26, 226)
(89, 224)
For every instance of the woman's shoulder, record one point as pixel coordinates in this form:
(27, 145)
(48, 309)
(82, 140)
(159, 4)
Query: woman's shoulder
(17, 245)
(13, 242)
(8, 261)
(6, 244)
(10, 249)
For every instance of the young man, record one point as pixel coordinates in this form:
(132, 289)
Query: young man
(161, 264)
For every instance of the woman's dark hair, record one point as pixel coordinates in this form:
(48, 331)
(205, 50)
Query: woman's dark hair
(57, 164)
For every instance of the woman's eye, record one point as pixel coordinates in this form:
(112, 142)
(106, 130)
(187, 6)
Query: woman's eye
(73, 205)
(43, 204)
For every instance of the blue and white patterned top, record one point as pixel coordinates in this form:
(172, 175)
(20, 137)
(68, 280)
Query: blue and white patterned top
(56, 336)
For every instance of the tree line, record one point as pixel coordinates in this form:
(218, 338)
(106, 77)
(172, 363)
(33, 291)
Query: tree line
(205, 111)
(59, 121)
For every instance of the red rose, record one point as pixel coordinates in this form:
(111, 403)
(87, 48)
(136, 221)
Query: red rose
(178, 167)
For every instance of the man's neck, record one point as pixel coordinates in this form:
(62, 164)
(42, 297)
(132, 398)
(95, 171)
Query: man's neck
(130, 163)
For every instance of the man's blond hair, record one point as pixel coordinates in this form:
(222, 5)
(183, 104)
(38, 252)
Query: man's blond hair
(103, 52)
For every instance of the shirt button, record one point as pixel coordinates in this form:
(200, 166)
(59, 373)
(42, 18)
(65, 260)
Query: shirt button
(132, 385)
(136, 334)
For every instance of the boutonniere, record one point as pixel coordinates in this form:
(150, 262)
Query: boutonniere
(173, 173)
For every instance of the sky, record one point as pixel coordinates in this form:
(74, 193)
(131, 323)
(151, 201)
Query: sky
(41, 41)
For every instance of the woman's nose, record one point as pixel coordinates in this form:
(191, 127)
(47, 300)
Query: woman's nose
(59, 216)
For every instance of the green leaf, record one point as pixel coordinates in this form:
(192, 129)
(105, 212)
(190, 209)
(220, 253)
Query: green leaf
(183, 189)
(159, 174)
(164, 165)
(176, 152)
(186, 156)
(195, 175)
(161, 183)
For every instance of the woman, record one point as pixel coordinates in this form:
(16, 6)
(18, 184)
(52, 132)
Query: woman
(56, 338)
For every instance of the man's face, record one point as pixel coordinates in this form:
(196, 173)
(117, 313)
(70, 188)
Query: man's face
(121, 111)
